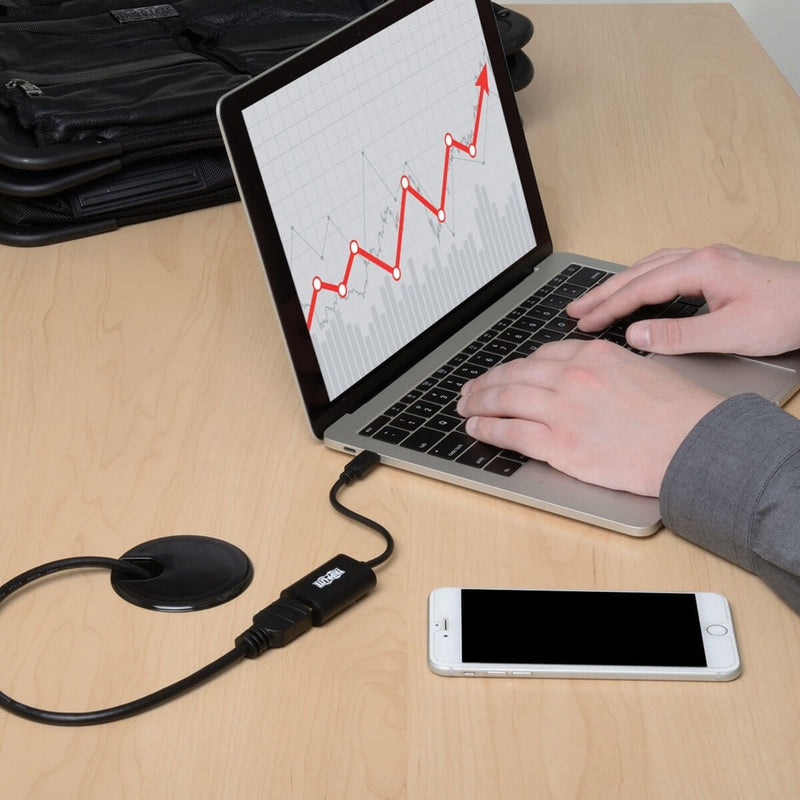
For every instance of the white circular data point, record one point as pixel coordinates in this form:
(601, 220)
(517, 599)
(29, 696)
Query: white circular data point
(342, 290)
(448, 139)
(440, 215)
(354, 247)
(396, 273)
(317, 284)
(473, 151)
(404, 182)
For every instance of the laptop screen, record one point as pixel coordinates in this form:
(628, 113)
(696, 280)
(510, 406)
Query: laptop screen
(393, 185)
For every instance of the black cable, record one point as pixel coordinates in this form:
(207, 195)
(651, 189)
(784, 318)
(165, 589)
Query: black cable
(355, 470)
(126, 709)
(79, 562)
(309, 601)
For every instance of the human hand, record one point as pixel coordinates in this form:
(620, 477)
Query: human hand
(754, 302)
(590, 409)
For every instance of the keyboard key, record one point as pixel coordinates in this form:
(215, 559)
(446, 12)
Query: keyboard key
(479, 455)
(452, 446)
(502, 466)
(543, 312)
(499, 347)
(422, 440)
(374, 426)
(408, 422)
(453, 382)
(562, 325)
(450, 409)
(501, 324)
(485, 359)
(544, 336)
(442, 422)
(457, 359)
(514, 335)
(423, 408)
(411, 397)
(390, 435)
(570, 290)
(558, 301)
(588, 276)
(440, 396)
(469, 371)
(519, 311)
(526, 348)
(514, 456)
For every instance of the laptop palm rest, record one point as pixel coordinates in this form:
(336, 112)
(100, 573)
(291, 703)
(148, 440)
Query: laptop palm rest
(731, 375)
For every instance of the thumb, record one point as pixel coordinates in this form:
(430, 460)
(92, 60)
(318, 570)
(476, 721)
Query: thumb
(698, 334)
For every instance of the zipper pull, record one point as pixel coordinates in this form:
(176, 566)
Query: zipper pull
(30, 89)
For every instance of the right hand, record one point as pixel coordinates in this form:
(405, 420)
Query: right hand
(753, 301)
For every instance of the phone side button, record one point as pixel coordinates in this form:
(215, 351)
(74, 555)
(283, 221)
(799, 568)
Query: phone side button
(717, 630)
(494, 673)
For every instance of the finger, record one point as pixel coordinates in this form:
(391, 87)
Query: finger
(583, 305)
(652, 285)
(542, 368)
(508, 401)
(664, 256)
(523, 436)
(600, 294)
(702, 333)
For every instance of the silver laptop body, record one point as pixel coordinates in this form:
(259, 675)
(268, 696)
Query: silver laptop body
(387, 180)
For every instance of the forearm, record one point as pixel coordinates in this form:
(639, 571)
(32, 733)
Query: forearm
(733, 488)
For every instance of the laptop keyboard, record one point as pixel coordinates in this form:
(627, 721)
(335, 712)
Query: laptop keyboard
(426, 419)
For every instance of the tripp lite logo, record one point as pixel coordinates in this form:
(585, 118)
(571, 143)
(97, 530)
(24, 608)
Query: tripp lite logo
(328, 578)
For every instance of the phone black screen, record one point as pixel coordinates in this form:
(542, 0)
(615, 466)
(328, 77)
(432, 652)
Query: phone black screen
(507, 626)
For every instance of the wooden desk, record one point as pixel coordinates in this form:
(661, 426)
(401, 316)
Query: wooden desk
(145, 393)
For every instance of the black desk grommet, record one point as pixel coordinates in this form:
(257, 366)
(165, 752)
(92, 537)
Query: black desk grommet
(189, 573)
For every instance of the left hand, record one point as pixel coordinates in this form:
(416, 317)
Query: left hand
(590, 409)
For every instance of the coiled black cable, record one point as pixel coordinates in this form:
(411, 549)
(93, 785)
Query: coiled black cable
(275, 626)
(126, 709)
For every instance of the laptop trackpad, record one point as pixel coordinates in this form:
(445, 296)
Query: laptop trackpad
(731, 375)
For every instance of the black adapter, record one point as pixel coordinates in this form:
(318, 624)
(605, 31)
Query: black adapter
(331, 588)
(312, 600)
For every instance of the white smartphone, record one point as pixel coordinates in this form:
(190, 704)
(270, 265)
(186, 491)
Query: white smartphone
(581, 634)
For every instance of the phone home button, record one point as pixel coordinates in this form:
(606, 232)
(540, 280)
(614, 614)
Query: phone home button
(717, 630)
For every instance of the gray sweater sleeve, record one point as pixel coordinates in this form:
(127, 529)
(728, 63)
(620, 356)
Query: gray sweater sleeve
(733, 487)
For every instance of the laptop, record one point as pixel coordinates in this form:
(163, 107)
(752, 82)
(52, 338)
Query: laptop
(388, 184)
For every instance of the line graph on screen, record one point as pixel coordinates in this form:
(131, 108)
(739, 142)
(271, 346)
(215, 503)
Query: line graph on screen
(436, 207)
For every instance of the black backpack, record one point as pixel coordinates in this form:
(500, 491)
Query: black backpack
(107, 113)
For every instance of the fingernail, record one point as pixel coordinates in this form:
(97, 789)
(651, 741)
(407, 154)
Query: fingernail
(638, 335)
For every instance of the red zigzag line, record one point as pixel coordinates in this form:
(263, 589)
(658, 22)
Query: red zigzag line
(450, 143)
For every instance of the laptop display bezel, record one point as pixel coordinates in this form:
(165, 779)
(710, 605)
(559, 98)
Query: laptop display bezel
(321, 409)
